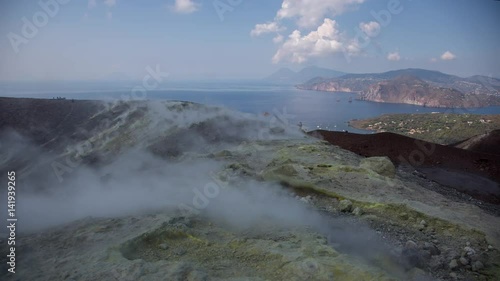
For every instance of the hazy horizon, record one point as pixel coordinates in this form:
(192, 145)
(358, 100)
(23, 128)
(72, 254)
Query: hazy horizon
(181, 80)
(63, 40)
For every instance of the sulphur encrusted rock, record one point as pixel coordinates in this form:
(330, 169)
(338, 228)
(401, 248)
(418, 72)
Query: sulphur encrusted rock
(380, 165)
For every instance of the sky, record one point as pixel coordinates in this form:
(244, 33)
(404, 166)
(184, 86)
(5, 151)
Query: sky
(67, 40)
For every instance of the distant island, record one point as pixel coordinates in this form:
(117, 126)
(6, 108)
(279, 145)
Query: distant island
(414, 86)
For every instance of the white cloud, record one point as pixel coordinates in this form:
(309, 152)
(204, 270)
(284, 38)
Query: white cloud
(266, 28)
(185, 6)
(91, 4)
(371, 29)
(448, 56)
(310, 13)
(313, 16)
(278, 39)
(109, 15)
(323, 41)
(433, 60)
(394, 56)
(110, 3)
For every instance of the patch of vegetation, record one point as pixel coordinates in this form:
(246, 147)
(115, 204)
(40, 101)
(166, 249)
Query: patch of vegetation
(441, 128)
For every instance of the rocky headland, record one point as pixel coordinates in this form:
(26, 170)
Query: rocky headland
(414, 86)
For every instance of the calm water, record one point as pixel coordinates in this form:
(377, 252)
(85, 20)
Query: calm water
(324, 110)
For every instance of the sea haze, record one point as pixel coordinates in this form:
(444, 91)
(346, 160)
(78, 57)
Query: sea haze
(316, 110)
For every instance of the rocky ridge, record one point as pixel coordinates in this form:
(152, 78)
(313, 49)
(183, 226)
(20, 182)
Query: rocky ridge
(378, 222)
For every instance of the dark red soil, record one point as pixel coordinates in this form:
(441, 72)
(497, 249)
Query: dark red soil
(489, 144)
(436, 161)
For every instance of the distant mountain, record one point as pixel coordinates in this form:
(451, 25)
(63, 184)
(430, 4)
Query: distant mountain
(429, 75)
(288, 76)
(283, 75)
(488, 82)
(414, 86)
(310, 72)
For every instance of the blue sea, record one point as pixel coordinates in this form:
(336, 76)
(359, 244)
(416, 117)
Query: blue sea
(316, 110)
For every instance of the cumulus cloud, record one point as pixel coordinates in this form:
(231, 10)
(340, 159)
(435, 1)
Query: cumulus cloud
(313, 16)
(266, 28)
(394, 56)
(110, 3)
(185, 6)
(310, 13)
(325, 40)
(371, 29)
(448, 56)
(278, 39)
